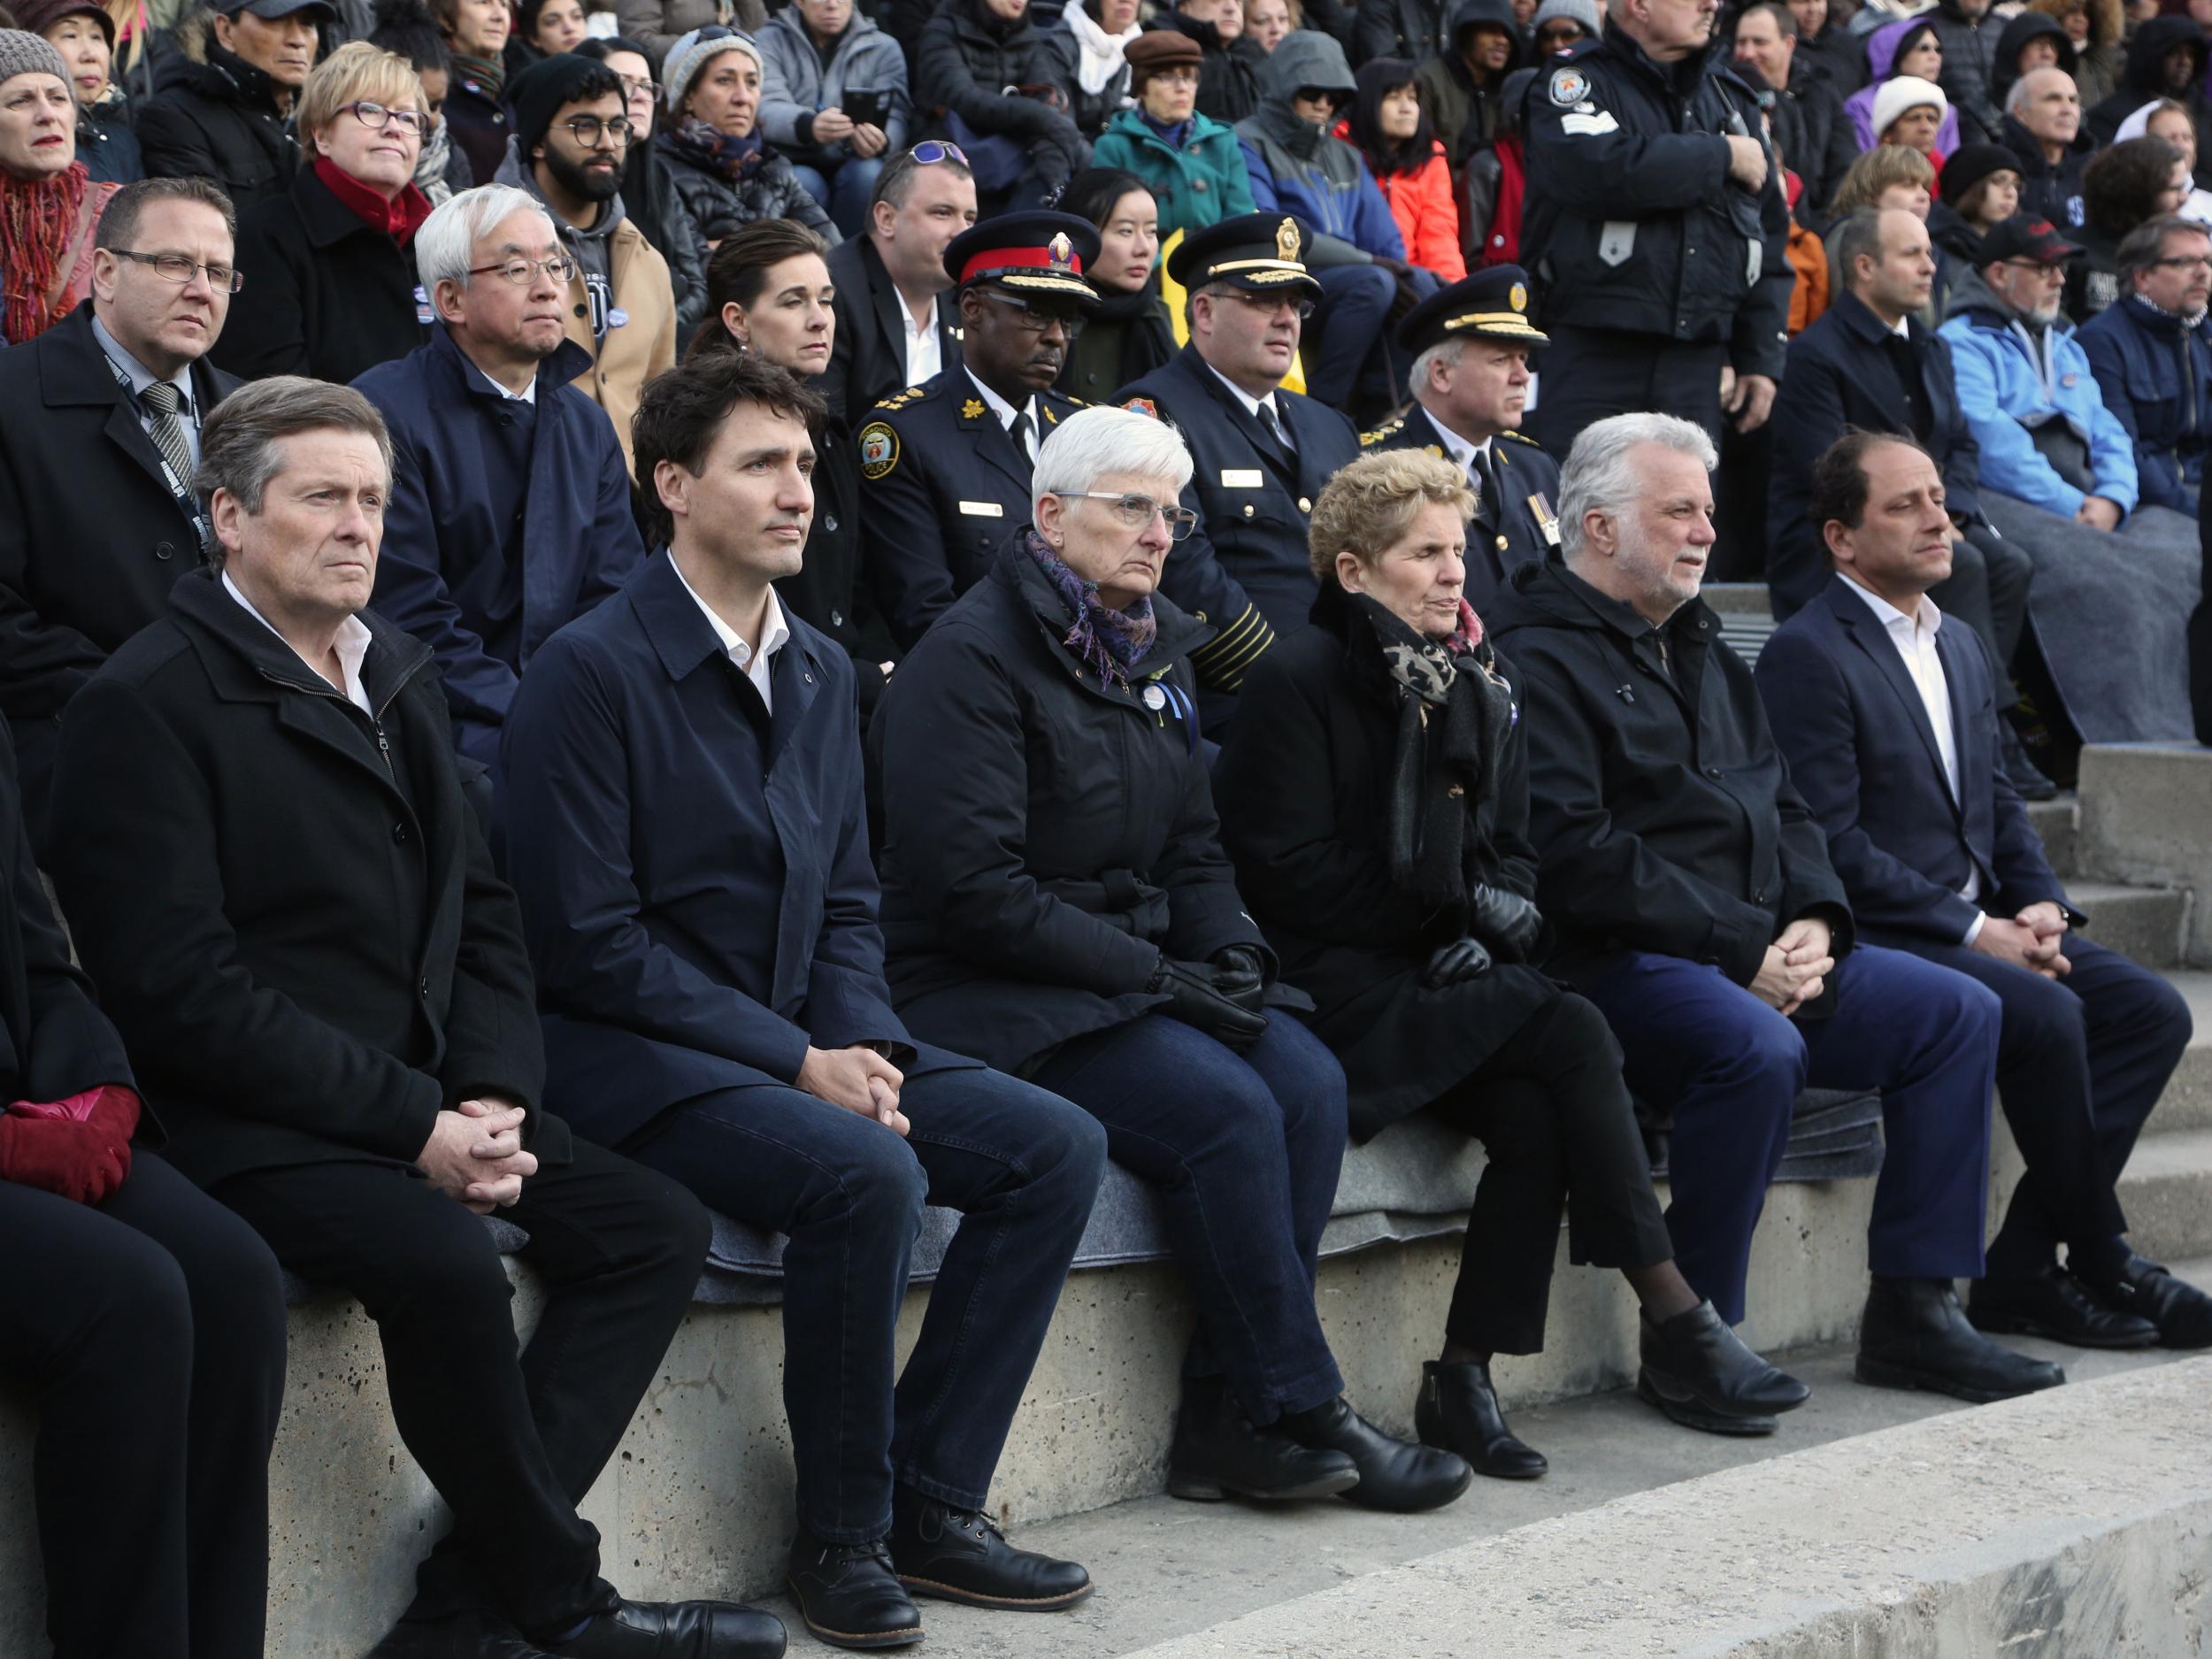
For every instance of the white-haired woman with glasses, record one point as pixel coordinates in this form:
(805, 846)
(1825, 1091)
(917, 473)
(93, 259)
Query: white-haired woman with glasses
(331, 260)
(1056, 903)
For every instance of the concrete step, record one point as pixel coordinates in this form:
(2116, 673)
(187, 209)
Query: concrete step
(2146, 923)
(2055, 821)
(2144, 811)
(2167, 1191)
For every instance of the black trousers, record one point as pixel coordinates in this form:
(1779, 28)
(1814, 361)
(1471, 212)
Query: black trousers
(1988, 589)
(512, 1440)
(1588, 374)
(150, 1333)
(2081, 1061)
(1551, 1110)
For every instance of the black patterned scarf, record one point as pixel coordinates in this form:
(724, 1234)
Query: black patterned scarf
(736, 159)
(1110, 641)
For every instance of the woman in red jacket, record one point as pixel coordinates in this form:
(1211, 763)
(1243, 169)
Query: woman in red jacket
(1388, 125)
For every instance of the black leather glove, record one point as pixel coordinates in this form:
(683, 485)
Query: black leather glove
(1239, 976)
(1462, 959)
(1505, 918)
(1193, 998)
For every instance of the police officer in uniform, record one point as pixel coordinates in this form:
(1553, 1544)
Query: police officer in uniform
(1656, 226)
(945, 466)
(1262, 454)
(1470, 345)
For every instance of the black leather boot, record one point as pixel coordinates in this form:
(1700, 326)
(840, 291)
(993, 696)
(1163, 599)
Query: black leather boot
(1699, 1373)
(2054, 1303)
(959, 1556)
(1394, 1474)
(1218, 1453)
(1458, 1410)
(849, 1595)
(1916, 1335)
(457, 1636)
(2181, 1313)
(675, 1630)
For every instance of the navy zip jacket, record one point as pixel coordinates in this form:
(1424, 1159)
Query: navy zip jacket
(2156, 372)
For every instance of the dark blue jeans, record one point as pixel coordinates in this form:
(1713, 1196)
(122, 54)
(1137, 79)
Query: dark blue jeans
(1022, 1166)
(1728, 1068)
(1245, 1149)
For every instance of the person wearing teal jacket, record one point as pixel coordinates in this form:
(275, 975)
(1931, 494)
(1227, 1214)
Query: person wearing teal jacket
(1192, 163)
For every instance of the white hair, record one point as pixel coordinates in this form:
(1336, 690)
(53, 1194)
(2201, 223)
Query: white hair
(445, 247)
(1599, 475)
(2017, 99)
(1451, 348)
(1092, 442)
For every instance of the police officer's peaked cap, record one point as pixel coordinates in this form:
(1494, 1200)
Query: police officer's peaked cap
(1265, 252)
(1037, 253)
(1492, 305)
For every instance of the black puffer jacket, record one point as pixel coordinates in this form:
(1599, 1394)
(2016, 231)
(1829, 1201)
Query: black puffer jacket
(1970, 61)
(2146, 80)
(218, 120)
(714, 206)
(963, 65)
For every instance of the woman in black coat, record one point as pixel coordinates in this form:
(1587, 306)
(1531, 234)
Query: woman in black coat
(1056, 902)
(984, 77)
(146, 1320)
(1379, 819)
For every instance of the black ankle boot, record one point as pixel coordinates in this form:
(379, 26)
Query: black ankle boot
(957, 1555)
(1916, 1335)
(1219, 1454)
(849, 1595)
(1458, 1410)
(1394, 1474)
(1698, 1372)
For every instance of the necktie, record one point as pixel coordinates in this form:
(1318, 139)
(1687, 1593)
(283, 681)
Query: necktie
(167, 431)
(1485, 474)
(1025, 436)
(1275, 428)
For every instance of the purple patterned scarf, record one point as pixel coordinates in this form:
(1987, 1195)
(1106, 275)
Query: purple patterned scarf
(1111, 641)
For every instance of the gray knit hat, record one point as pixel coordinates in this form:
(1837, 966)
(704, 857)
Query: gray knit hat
(24, 53)
(1582, 12)
(691, 53)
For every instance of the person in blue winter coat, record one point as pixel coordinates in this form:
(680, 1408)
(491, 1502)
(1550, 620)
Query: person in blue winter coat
(2153, 360)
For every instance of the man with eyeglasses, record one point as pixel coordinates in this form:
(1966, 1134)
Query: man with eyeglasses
(510, 514)
(2153, 360)
(945, 467)
(573, 136)
(99, 437)
(2114, 578)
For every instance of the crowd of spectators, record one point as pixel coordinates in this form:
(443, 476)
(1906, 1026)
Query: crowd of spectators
(816, 608)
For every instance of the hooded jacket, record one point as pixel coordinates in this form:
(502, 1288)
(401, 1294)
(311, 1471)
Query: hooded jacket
(1971, 53)
(797, 82)
(2027, 27)
(1883, 48)
(2051, 190)
(2012, 378)
(2155, 369)
(219, 119)
(1465, 116)
(1299, 169)
(2146, 78)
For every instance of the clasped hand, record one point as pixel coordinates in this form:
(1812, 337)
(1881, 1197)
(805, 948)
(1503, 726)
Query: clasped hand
(475, 1154)
(857, 1079)
(1796, 967)
(2033, 940)
(1221, 998)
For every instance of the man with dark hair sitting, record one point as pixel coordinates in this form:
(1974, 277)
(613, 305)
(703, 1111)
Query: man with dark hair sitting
(689, 842)
(1889, 722)
(2152, 356)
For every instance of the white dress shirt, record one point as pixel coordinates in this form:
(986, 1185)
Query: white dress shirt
(924, 352)
(1463, 453)
(1914, 638)
(758, 665)
(528, 394)
(352, 644)
(1251, 404)
(1008, 414)
(141, 377)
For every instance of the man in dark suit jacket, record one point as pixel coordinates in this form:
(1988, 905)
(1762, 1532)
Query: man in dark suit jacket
(893, 315)
(1890, 725)
(99, 432)
(690, 846)
(270, 873)
(1262, 453)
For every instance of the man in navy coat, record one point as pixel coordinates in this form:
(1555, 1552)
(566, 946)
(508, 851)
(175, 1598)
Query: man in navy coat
(510, 513)
(1888, 720)
(689, 842)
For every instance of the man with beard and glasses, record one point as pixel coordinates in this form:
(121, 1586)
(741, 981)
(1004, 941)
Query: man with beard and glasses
(945, 467)
(572, 138)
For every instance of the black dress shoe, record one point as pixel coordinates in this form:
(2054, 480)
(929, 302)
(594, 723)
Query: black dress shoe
(675, 1630)
(849, 1595)
(1399, 1475)
(1458, 1410)
(2054, 1303)
(2025, 777)
(1219, 1454)
(959, 1556)
(2181, 1313)
(457, 1636)
(1699, 1373)
(1916, 1335)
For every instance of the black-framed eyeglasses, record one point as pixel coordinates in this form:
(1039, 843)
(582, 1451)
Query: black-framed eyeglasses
(1136, 513)
(930, 152)
(519, 270)
(376, 118)
(1036, 319)
(2176, 261)
(586, 129)
(1300, 307)
(175, 267)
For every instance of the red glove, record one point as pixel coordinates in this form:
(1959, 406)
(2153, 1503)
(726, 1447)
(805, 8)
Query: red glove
(69, 1159)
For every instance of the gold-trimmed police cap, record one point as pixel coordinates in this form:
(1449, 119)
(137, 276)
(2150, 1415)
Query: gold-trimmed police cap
(1492, 305)
(1035, 253)
(1264, 252)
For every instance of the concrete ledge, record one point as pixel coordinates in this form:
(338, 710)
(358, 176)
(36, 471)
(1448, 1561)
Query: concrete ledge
(2144, 809)
(2070, 1524)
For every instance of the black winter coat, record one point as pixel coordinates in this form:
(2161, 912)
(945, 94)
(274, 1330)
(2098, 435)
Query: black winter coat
(716, 206)
(326, 295)
(962, 63)
(827, 591)
(2050, 190)
(218, 120)
(91, 537)
(1304, 798)
(1817, 143)
(1659, 801)
(1228, 80)
(480, 124)
(286, 1009)
(2145, 81)
(1046, 838)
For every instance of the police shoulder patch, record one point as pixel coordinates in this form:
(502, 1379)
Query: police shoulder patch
(1569, 87)
(879, 449)
(1143, 406)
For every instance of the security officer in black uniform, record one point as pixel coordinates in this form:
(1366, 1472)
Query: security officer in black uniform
(1469, 344)
(1656, 226)
(945, 468)
(1262, 454)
